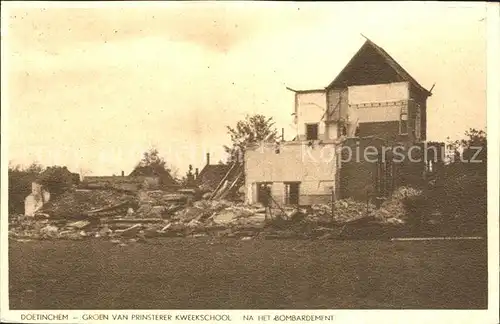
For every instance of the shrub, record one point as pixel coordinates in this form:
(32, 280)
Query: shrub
(19, 187)
(56, 179)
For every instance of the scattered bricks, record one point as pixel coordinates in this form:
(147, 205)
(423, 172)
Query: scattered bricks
(241, 212)
(190, 213)
(224, 217)
(342, 212)
(193, 224)
(144, 209)
(144, 198)
(157, 211)
(159, 197)
(73, 203)
(394, 208)
(49, 231)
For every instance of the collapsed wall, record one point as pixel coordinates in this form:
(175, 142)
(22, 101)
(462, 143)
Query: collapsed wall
(308, 168)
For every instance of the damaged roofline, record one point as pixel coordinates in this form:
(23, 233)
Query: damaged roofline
(389, 60)
(306, 91)
(338, 141)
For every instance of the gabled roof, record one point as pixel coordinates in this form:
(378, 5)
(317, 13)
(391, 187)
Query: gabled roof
(391, 62)
(212, 174)
(152, 171)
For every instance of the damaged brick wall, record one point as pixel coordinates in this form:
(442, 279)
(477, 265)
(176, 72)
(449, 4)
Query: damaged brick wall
(358, 176)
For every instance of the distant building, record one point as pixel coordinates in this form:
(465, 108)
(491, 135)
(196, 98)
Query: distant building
(141, 177)
(211, 175)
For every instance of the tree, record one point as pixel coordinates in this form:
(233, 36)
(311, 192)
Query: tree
(152, 164)
(83, 172)
(459, 190)
(472, 148)
(253, 129)
(19, 180)
(35, 168)
(153, 159)
(57, 179)
(475, 146)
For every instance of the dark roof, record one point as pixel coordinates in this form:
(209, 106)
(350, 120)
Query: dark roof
(151, 171)
(211, 175)
(357, 63)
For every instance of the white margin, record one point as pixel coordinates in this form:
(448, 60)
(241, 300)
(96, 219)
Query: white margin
(493, 103)
(347, 316)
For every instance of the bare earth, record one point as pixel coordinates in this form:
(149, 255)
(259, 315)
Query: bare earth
(202, 273)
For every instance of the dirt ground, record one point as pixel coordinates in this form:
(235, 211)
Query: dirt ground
(203, 273)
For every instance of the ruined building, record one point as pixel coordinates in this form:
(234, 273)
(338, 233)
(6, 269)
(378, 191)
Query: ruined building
(372, 105)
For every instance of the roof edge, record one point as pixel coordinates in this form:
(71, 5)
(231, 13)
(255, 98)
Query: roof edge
(390, 61)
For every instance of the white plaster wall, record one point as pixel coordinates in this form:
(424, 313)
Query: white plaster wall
(382, 113)
(377, 103)
(313, 167)
(34, 201)
(310, 108)
(331, 131)
(378, 93)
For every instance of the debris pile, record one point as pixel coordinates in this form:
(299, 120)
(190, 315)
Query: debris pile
(158, 203)
(120, 217)
(202, 218)
(393, 210)
(78, 202)
(344, 210)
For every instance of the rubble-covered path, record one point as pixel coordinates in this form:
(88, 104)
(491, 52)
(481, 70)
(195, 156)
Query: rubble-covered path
(214, 273)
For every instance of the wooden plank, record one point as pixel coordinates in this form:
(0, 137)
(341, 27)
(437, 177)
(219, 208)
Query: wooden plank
(214, 193)
(227, 190)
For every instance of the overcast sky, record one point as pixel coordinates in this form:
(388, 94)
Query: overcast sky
(93, 88)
